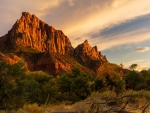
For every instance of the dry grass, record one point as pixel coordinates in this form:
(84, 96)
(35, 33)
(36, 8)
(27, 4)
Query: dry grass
(136, 104)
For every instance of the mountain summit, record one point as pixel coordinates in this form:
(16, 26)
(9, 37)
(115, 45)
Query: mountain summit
(44, 48)
(31, 32)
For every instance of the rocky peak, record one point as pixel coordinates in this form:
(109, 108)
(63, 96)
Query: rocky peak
(86, 51)
(53, 52)
(25, 14)
(31, 32)
(86, 42)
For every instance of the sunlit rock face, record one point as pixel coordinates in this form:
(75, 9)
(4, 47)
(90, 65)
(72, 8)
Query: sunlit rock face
(42, 47)
(31, 32)
(9, 58)
(89, 56)
(86, 51)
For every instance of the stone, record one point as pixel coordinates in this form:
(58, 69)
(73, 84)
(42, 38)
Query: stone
(88, 52)
(44, 48)
(31, 32)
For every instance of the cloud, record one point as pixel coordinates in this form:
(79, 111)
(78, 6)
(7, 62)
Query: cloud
(109, 24)
(71, 2)
(130, 37)
(142, 49)
(128, 64)
(79, 19)
(90, 17)
(136, 61)
(141, 64)
(11, 10)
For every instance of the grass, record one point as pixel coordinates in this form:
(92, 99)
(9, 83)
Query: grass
(136, 104)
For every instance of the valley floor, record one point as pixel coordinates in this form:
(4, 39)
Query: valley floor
(108, 102)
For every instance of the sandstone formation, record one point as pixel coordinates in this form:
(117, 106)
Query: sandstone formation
(89, 56)
(86, 51)
(9, 58)
(44, 48)
(31, 32)
(54, 63)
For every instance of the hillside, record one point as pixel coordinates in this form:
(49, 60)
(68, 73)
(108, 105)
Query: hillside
(41, 71)
(44, 48)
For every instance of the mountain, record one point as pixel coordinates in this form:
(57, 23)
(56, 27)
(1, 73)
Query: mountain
(44, 48)
(31, 32)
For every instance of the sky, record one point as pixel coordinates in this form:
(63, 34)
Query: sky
(119, 28)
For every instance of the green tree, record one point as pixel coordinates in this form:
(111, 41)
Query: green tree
(145, 75)
(110, 76)
(119, 86)
(133, 67)
(136, 80)
(99, 84)
(10, 75)
(132, 79)
(74, 85)
(65, 85)
(81, 87)
(40, 87)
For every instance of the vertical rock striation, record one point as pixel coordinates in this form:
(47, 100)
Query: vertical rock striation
(31, 32)
(88, 52)
(44, 48)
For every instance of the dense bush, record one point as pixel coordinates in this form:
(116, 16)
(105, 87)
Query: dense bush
(74, 85)
(11, 94)
(137, 80)
(19, 87)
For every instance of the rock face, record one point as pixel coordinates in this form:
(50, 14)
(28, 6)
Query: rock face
(31, 32)
(53, 63)
(88, 52)
(9, 58)
(44, 48)
(89, 56)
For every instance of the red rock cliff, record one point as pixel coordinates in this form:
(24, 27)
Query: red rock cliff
(31, 32)
(44, 48)
(88, 52)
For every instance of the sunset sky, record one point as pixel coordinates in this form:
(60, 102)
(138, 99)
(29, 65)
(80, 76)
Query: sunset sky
(119, 28)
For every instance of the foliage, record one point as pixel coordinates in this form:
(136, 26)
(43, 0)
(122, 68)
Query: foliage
(74, 85)
(110, 76)
(133, 67)
(137, 104)
(138, 80)
(41, 87)
(31, 108)
(19, 88)
(10, 75)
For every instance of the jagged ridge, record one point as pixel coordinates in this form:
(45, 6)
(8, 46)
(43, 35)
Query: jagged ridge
(31, 32)
(51, 46)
